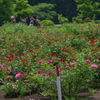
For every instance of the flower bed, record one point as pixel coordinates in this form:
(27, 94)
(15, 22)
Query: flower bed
(28, 58)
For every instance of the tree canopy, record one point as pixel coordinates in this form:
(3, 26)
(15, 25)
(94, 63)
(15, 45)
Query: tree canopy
(49, 9)
(5, 10)
(88, 8)
(21, 8)
(44, 11)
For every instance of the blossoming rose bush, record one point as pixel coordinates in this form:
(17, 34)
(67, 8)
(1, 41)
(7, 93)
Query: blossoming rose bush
(77, 75)
(21, 50)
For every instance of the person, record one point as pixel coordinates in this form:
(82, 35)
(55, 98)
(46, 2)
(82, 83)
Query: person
(34, 21)
(13, 20)
(31, 21)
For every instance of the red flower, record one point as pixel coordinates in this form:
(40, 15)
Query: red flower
(98, 25)
(11, 55)
(68, 62)
(50, 43)
(3, 37)
(40, 42)
(63, 59)
(21, 54)
(60, 68)
(68, 45)
(86, 38)
(7, 56)
(10, 60)
(53, 55)
(78, 36)
(92, 40)
(91, 45)
(3, 40)
(44, 41)
(23, 60)
(63, 49)
(34, 56)
(36, 48)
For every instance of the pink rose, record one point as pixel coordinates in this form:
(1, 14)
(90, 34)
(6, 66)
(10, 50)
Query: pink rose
(44, 74)
(66, 66)
(1, 65)
(8, 69)
(73, 64)
(40, 61)
(94, 66)
(49, 73)
(50, 61)
(88, 61)
(39, 71)
(18, 75)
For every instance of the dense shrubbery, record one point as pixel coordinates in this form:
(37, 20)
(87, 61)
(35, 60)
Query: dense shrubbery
(28, 56)
(47, 23)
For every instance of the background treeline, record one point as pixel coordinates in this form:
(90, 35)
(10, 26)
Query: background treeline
(55, 10)
(68, 8)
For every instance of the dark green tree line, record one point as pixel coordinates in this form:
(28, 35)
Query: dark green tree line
(65, 7)
(6, 10)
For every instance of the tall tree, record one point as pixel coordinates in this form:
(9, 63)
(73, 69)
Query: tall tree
(21, 8)
(45, 11)
(65, 7)
(88, 8)
(5, 10)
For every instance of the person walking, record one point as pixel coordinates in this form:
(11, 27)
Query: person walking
(13, 20)
(34, 21)
(31, 21)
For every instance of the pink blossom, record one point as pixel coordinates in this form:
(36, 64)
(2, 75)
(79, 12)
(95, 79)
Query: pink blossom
(1, 65)
(49, 73)
(94, 66)
(40, 61)
(73, 64)
(25, 81)
(8, 69)
(66, 66)
(88, 61)
(44, 74)
(39, 71)
(58, 58)
(18, 75)
(54, 69)
(50, 61)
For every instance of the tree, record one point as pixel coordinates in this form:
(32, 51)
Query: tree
(21, 8)
(88, 8)
(5, 10)
(45, 11)
(65, 7)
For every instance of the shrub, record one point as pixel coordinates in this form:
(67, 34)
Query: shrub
(47, 23)
(62, 19)
(87, 19)
(97, 21)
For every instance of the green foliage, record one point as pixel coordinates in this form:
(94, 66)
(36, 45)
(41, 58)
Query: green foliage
(68, 11)
(47, 23)
(87, 19)
(6, 10)
(44, 11)
(28, 50)
(88, 8)
(91, 91)
(21, 8)
(97, 21)
(62, 19)
(78, 19)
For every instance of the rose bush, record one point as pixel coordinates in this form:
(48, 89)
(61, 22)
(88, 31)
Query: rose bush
(28, 58)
